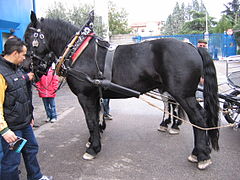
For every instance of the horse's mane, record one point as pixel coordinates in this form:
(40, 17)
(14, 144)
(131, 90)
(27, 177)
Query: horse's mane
(58, 28)
(56, 31)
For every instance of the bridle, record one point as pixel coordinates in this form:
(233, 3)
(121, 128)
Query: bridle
(40, 65)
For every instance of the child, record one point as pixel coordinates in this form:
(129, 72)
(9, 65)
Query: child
(47, 87)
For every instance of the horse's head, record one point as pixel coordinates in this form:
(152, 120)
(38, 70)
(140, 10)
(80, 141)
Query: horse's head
(38, 48)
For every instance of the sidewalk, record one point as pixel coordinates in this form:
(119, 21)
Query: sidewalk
(63, 103)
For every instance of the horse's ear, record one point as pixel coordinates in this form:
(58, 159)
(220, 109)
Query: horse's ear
(33, 18)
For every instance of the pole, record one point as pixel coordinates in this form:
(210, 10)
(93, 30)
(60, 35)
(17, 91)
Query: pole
(206, 22)
(206, 34)
(101, 9)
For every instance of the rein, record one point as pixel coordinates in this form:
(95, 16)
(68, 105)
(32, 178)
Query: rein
(154, 96)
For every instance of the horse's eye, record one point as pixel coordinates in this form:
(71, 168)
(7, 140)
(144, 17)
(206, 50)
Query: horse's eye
(35, 35)
(41, 36)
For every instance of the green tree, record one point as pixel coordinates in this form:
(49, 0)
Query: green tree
(233, 11)
(168, 28)
(189, 20)
(79, 14)
(175, 20)
(232, 14)
(223, 24)
(58, 11)
(195, 6)
(118, 22)
(198, 24)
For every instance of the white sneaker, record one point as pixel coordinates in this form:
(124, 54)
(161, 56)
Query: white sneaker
(46, 178)
(192, 158)
(53, 120)
(48, 120)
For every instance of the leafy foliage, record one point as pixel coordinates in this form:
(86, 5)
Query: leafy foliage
(118, 22)
(58, 12)
(223, 24)
(197, 24)
(188, 19)
(232, 16)
(232, 11)
(175, 20)
(79, 14)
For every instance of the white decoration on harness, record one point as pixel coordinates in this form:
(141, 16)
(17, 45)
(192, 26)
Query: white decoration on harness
(35, 43)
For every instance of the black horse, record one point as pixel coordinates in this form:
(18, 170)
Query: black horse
(167, 64)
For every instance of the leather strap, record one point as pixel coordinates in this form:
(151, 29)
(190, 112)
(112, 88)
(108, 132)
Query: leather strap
(109, 62)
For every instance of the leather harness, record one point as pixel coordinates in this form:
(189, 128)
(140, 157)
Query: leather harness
(109, 62)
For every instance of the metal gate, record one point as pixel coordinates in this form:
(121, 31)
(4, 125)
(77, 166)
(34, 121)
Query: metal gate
(219, 44)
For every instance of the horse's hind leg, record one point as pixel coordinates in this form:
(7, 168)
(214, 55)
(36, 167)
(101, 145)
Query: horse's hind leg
(91, 110)
(195, 112)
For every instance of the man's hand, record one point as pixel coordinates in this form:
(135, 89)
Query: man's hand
(31, 76)
(32, 122)
(10, 136)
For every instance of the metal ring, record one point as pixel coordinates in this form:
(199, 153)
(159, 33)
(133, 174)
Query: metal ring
(35, 35)
(41, 36)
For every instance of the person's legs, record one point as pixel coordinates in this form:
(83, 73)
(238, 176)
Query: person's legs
(53, 108)
(47, 107)
(10, 161)
(106, 106)
(29, 153)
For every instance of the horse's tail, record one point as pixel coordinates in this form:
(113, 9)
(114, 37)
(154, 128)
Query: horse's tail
(210, 94)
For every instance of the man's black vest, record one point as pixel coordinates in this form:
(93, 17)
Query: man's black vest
(17, 106)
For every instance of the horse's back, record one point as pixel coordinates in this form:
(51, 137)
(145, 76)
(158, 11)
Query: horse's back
(179, 64)
(173, 50)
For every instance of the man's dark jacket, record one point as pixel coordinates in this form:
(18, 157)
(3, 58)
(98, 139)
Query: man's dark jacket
(17, 105)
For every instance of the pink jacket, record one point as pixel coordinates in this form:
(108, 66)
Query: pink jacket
(48, 85)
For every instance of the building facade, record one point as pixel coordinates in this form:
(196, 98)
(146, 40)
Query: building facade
(151, 28)
(14, 18)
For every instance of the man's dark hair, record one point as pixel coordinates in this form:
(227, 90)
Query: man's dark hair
(13, 44)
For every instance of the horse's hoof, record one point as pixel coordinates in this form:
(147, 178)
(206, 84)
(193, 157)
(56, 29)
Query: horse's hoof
(162, 128)
(204, 164)
(88, 144)
(192, 158)
(173, 131)
(87, 156)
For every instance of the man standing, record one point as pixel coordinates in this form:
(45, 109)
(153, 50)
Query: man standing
(106, 108)
(202, 43)
(16, 114)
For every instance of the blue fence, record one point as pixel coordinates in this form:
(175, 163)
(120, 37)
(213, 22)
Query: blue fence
(219, 44)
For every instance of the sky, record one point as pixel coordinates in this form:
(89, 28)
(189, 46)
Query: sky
(139, 11)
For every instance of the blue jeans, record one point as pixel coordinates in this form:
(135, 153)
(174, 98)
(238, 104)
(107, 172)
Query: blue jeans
(11, 159)
(50, 107)
(106, 106)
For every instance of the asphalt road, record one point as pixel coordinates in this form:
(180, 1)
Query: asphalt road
(132, 148)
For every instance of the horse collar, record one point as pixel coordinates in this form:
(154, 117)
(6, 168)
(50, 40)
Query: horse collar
(79, 47)
(73, 51)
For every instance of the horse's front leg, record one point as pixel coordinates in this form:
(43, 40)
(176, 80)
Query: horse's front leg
(91, 108)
